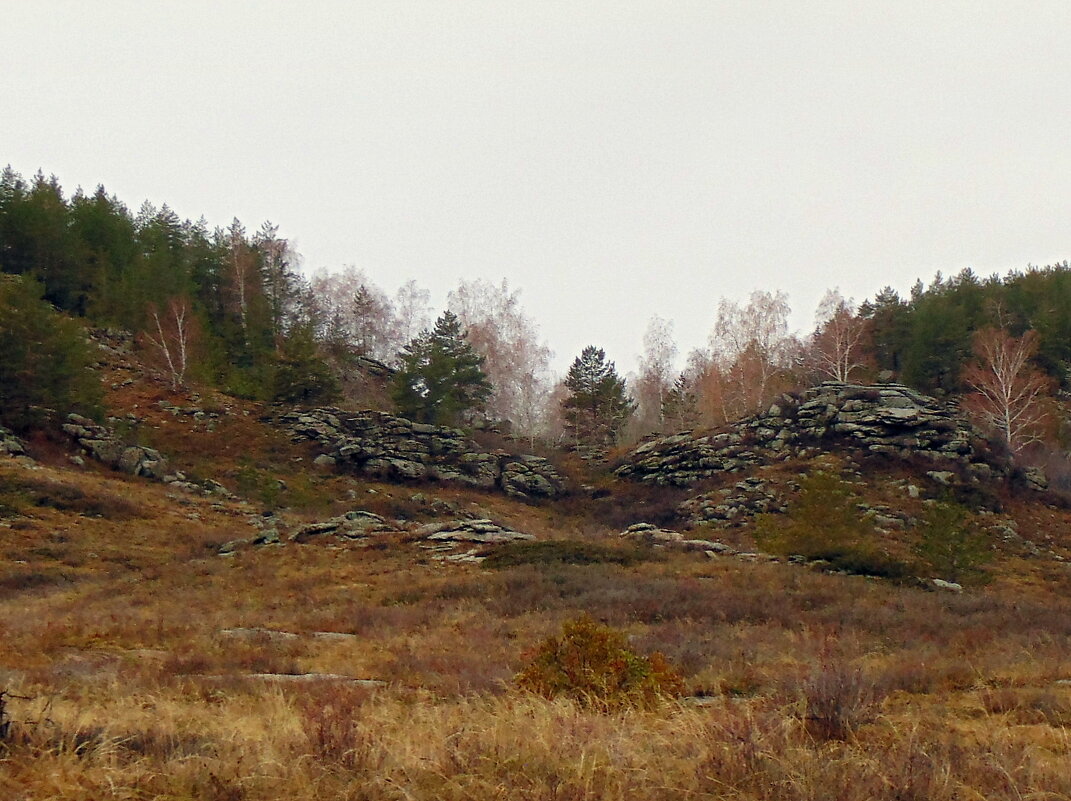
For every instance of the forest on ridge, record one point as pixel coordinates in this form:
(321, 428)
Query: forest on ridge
(229, 307)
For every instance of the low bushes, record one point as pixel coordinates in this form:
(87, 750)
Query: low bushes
(825, 523)
(563, 552)
(594, 665)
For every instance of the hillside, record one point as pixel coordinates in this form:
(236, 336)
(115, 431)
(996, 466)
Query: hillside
(249, 620)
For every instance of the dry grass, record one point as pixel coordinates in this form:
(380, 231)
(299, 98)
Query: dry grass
(812, 686)
(331, 743)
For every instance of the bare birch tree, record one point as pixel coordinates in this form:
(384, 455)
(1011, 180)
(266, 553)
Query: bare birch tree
(655, 374)
(412, 305)
(240, 274)
(356, 316)
(516, 360)
(750, 358)
(838, 347)
(172, 336)
(1009, 391)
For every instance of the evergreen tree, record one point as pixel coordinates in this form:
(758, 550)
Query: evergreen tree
(44, 359)
(440, 378)
(598, 405)
(301, 375)
(680, 408)
(951, 543)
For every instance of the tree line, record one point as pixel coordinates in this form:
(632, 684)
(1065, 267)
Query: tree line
(231, 308)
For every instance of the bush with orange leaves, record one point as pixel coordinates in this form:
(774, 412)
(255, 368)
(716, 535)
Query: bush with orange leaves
(594, 665)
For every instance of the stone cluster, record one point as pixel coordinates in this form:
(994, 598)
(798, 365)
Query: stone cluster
(733, 506)
(101, 443)
(354, 525)
(392, 448)
(360, 528)
(888, 419)
(650, 534)
(10, 445)
(481, 530)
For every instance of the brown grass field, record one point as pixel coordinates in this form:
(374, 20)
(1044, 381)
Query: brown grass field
(120, 681)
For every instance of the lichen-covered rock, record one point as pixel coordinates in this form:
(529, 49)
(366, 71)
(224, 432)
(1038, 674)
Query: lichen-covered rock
(101, 443)
(10, 445)
(482, 530)
(888, 419)
(393, 448)
(648, 532)
(354, 525)
(736, 505)
(530, 476)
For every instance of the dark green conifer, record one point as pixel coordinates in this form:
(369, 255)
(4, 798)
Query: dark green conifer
(440, 379)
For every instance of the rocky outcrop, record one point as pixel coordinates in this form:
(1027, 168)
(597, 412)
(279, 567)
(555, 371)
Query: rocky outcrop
(361, 529)
(482, 531)
(10, 445)
(393, 448)
(355, 525)
(888, 419)
(734, 505)
(101, 443)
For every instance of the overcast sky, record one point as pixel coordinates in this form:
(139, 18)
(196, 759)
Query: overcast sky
(612, 159)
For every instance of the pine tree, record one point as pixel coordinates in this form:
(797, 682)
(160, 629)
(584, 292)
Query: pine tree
(680, 408)
(301, 375)
(440, 379)
(598, 405)
(44, 359)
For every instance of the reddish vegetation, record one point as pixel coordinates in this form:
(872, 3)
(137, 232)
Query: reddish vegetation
(123, 680)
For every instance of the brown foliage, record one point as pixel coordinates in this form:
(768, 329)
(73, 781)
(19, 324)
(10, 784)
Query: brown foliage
(1009, 391)
(594, 665)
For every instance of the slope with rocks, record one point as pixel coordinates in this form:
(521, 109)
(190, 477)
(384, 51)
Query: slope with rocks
(889, 420)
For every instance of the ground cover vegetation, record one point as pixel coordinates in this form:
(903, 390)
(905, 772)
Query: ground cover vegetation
(142, 658)
(136, 665)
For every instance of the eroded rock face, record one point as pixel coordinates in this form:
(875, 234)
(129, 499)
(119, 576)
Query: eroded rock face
(101, 443)
(393, 448)
(888, 419)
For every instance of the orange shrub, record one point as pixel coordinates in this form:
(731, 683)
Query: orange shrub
(594, 665)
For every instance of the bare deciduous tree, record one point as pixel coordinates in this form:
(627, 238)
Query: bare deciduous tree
(838, 348)
(750, 358)
(172, 336)
(412, 310)
(656, 374)
(1009, 391)
(356, 316)
(240, 275)
(515, 359)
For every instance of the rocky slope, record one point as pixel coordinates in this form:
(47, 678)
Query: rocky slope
(887, 419)
(382, 446)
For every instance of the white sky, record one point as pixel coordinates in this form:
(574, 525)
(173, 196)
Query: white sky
(612, 159)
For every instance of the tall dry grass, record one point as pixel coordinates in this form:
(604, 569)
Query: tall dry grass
(333, 743)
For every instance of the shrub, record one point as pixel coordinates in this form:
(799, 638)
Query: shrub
(330, 715)
(18, 494)
(562, 552)
(594, 665)
(13, 497)
(951, 544)
(837, 699)
(5, 722)
(825, 523)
